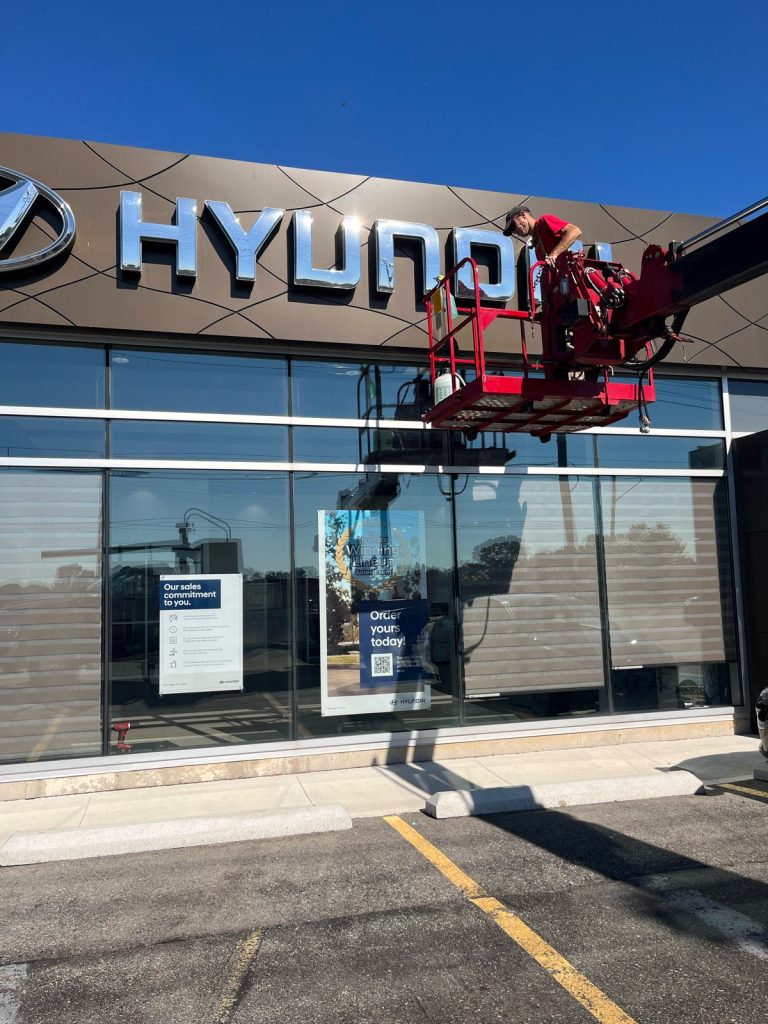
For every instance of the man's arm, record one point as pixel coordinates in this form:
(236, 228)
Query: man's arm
(568, 236)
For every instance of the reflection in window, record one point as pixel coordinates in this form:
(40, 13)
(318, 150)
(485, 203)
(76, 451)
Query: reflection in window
(359, 390)
(228, 442)
(370, 445)
(50, 614)
(683, 403)
(53, 438)
(191, 523)
(69, 377)
(748, 401)
(531, 622)
(650, 452)
(526, 450)
(670, 602)
(196, 382)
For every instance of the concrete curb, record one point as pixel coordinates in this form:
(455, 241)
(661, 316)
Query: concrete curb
(467, 802)
(761, 774)
(75, 844)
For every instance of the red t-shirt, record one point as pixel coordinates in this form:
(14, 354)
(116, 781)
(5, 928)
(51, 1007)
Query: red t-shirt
(546, 233)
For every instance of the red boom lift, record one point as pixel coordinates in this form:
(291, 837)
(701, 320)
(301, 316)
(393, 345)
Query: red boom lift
(595, 317)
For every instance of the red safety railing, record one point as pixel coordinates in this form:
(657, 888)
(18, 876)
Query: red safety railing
(563, 398)
(476, 318)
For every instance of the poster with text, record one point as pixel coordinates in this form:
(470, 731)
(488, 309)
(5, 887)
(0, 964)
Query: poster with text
(201, 633)
(374, 612)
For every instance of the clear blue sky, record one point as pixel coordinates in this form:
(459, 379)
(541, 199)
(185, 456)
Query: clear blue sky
(655, 103)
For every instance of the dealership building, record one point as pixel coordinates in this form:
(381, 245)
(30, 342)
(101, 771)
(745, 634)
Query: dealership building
(229, 544)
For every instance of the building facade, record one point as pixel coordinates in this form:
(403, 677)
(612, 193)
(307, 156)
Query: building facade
(228, 538)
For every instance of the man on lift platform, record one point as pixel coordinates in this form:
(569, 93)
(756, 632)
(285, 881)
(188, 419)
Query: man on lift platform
(551, 236)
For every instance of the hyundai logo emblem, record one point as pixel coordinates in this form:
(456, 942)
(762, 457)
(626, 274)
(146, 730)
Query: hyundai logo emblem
(16, 202)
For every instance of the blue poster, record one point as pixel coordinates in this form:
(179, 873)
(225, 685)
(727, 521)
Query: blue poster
(393, 637)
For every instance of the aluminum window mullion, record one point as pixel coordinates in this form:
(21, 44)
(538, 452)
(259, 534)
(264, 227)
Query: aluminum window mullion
(48, 411)
(350, 467)
(733, 531)
(157, 415)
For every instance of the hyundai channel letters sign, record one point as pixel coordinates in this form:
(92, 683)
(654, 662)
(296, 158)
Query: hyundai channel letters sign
(24, 195)
(246, 246)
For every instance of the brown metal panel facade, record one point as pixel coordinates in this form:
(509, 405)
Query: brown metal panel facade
(86, 290)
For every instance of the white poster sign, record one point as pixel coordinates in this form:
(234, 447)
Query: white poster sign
(201, 633)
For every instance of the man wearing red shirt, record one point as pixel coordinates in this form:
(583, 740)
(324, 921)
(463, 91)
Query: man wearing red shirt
(551, 235)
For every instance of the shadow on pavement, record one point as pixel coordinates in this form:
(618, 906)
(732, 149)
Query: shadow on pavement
(730, 767)
(621, 858)
(614, 855)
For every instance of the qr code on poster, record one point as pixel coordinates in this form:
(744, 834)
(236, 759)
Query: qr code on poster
(381, 665)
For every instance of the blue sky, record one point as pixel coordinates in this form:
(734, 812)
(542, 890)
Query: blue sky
(656, 103)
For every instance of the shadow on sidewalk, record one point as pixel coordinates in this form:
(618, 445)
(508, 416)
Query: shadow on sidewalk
(422, 775)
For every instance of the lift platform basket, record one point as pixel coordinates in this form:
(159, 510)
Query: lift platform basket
(540, 398)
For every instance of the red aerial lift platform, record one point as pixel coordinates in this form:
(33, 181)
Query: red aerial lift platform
(540, 398)
(595, 317)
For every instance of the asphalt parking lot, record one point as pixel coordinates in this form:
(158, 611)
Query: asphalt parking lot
(647, 911)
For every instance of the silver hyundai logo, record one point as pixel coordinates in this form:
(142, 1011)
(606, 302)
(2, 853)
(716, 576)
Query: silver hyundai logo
(16, 202)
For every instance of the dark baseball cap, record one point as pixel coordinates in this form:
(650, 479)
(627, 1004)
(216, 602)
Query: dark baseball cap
(509, 225)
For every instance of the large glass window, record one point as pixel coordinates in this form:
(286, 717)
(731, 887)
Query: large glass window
(683, 403)
(670, 603)
(414, 512)
(619, 450)
(521, 449)
(50, 614)
(370, 445)
(197, 382)
(67, 376)
(748, 401)
(52, 437)
(531, 624)
(359, 390)
(687, 403)
(195, 523)
(220, 442)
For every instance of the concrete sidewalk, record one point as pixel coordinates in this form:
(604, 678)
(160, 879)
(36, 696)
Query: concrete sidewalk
(380, 790)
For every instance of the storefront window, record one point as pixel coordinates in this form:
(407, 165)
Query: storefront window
(374, 584)
(51, 437)
(66, 376)
(197, 382)
(228, 442)
(370, 446)
(682, 403)
(50, 614)
(521, 449)
(531, 623)
(231, 531)
(359, 390)
(670, 603)
(650, 452)
(749, 404)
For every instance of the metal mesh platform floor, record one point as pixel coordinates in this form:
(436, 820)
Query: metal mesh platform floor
(536, 406)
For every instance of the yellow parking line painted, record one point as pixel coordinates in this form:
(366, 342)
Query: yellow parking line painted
(564, 973)
(759, 793)
(246, 951)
